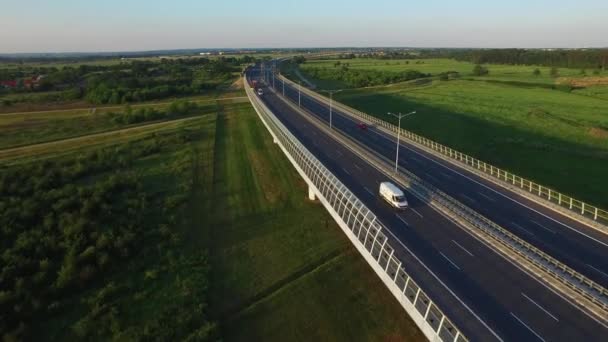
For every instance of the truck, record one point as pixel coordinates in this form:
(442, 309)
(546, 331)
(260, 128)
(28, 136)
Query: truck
(393, 195)
(254, 84)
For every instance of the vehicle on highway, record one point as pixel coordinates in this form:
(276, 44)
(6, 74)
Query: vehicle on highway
(393, 195)
(260, 91)
(362, 125)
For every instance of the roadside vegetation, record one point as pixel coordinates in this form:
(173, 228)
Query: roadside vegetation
(545, 123)
(172, 221)
(121, 83)
(24, 129)
(281, 268)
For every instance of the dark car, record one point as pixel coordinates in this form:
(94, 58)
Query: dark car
(362, 126)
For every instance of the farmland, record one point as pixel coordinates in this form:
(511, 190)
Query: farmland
(534, 125)
(176, 220)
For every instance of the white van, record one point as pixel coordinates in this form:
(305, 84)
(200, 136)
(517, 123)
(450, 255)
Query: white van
(393, 195)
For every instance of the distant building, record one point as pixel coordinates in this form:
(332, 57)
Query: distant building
(9, 84)
(31, 82)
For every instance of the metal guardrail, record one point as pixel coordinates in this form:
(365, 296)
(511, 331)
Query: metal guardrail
(364, 227)
(567, 276)
(562, 201)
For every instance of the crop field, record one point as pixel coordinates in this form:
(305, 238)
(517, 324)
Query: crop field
(510, 118)
(219, 240)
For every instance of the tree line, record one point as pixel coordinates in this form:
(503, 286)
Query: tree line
(134, 81)
(590, 59)
(357, 78)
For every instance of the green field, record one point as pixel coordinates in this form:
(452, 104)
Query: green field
(509, 118)
(281, 268)
(436, 66)
(195, 228)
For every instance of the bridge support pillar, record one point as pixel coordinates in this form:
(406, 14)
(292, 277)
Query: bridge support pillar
(311, 194)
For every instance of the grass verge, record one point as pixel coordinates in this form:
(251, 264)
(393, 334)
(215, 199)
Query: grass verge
(281, 269)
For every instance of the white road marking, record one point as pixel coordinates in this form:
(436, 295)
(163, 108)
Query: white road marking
(540, 225)
(525, 325)
(595, 268)
(368, 190)
(469, 198)
(357, 166)
(446, 175)
(402, 220)
(464, 249)
(339, 153)
(506, 259)
(522, 228)
(417, 213)
(345, 170)
(447, 288)
(416, 159)
(450, 261)
(486, 196)
(540, 307)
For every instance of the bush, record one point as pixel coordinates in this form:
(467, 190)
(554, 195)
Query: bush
(480, 70)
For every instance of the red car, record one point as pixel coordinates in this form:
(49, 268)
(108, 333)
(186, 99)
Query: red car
(362, 126)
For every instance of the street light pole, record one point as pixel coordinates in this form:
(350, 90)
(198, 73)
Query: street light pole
(399, 116)
(283, 86)
(331, 102)
(299, 92)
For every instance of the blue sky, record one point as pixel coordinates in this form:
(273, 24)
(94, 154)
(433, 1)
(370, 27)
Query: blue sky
(112, 25)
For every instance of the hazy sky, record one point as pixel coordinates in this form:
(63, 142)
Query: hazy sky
(113, 25)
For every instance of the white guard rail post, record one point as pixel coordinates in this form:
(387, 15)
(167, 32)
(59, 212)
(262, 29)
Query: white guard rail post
(361, 227)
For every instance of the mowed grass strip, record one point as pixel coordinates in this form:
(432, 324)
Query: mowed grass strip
(281, 268)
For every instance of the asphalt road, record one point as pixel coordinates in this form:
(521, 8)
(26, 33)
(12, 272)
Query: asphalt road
(486, 296)
(571, 242)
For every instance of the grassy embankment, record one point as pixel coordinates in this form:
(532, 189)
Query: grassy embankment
(281, 269)
(524, 123)
(224, 219)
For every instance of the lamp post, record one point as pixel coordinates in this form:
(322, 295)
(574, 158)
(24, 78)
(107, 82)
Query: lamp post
(331, 102)
(399, 116)
(299, 94)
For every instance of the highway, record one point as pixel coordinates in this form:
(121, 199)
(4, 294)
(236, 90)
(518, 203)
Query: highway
(486, 296)
(571, 242)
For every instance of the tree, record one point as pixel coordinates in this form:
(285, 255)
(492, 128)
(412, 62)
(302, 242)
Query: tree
(480, 70)
(554, 72)
(536, 72)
